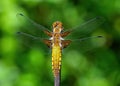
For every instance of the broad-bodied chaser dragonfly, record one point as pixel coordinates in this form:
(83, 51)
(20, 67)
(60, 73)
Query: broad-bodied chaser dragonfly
(56, 39)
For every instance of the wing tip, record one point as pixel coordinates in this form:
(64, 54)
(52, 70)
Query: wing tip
(100, 18)
(18, 32)
(19, 14)
(100, 36)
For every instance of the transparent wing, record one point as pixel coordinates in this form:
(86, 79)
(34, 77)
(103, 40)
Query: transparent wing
(30, 41)
(85, 29)
(30, 33)
(80, 36)
(31, 27)
(86, 44)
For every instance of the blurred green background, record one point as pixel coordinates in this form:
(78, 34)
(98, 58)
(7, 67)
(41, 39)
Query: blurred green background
(21, 66)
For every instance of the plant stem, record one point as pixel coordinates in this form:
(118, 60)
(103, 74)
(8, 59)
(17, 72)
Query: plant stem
(57, 80)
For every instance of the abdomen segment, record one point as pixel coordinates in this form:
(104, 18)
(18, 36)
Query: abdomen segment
(56, 60)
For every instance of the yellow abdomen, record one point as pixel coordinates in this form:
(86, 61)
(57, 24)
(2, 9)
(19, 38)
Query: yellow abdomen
(56, 60)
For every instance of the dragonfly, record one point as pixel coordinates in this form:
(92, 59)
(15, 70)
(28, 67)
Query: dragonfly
(57, 40)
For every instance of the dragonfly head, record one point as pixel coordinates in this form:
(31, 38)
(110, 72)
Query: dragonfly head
(57, 27)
